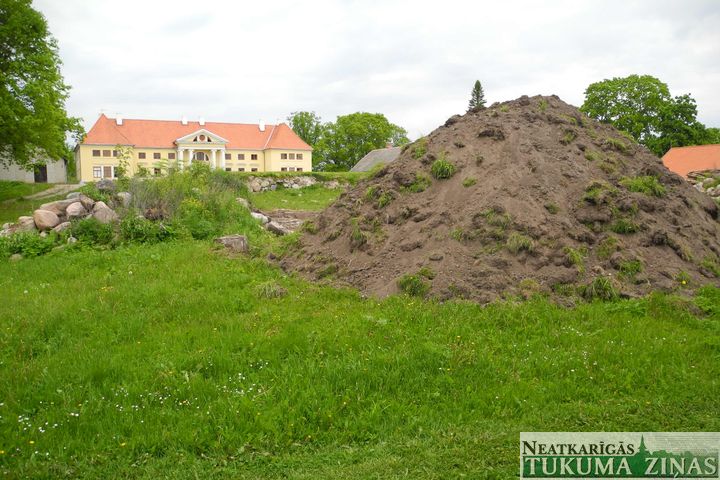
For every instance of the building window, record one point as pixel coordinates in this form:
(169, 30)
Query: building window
(156, 171)
(241, 156)
(171, 156)
(96, 153)
(115, 153)
(202, 156)
(283, 156)
(228, 169)
(292, 169)
(253, 169)
(241, 169)
(107, 171)
(298, 169)
(283, 169)
(228, 156)
(106, 153)
(253, 156)
(141, 155)
(299, 156)
(156, 156)
(97, 172)
(292, 156)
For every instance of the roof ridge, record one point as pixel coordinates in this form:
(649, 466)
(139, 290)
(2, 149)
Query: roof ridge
(267, 142)
(696, 146)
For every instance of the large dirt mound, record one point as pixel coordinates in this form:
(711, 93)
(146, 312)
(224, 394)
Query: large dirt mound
(542, 199)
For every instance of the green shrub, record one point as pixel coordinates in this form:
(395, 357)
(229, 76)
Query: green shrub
(427, 273)
(442, 169)
(136, 228)
(195, 217)
(419, 148)
(648, 185)
(497, 219)
(624, 226)
(552, 208)
(617, 144)
(469, 182)
(90, 190)
(542, 105)
(600, 288)
(420, 184)
(28, 244)
(458, 234)
(630, 268)
(413, 285)
(517, 242)
(91, 232)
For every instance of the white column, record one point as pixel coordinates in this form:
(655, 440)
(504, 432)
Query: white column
(222, 158)
(190, 159)
(180, 158)
(215, 163)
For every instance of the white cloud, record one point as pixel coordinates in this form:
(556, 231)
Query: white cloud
(413, 61)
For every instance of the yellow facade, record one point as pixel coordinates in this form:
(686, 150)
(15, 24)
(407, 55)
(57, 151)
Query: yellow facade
(95, 162)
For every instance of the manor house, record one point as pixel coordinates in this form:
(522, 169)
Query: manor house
(151, 146)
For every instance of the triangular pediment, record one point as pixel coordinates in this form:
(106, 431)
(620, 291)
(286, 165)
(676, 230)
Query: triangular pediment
(201, 137)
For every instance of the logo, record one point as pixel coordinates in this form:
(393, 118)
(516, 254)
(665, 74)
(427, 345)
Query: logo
(568, 455)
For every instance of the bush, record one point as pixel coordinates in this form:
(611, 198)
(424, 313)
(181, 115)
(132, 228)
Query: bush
(138, 229)
(442, 169)
(92, 232)
(413, 285)
(648, 185)
(90, 190)
(196, 219)
(518, 242)
(601, 288)
(28, 244)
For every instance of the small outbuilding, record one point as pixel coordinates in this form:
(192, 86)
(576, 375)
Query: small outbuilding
(698, 158)
(380, 156)
(48, 172)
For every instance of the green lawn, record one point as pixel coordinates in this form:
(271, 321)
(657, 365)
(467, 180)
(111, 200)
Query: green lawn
(175, 361)
(12, 189)
(308, 198)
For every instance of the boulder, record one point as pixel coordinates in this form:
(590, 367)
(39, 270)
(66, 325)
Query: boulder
(124, 198)
(106, 185)
(277, 229)
(259, 216)
(87, 202)
(57, 207)
(72, 240)
(103, 214)
(15, 257)
(25, 224)
(75, 210)
(61, 227)
(45, 219)
(73, 195)
(234, 243)
(243, 202)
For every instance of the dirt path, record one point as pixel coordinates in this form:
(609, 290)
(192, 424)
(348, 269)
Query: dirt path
(290, 219)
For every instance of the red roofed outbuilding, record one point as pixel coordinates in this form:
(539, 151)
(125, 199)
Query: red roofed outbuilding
(154, 145)
(684, 160)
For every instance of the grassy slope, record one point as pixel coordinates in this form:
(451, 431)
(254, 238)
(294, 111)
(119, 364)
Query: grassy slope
(161, 361)
(12, 189)
(10, 210)
(308, 198)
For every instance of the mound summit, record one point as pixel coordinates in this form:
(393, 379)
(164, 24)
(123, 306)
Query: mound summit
(527, 196)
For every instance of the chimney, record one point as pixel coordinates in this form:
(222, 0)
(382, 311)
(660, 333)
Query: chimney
(184, 120)
(261, 126)
(201, 121)
(118, 119)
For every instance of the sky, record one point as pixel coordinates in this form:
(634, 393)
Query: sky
(413, 61)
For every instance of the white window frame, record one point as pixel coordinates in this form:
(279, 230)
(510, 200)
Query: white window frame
(97, 169)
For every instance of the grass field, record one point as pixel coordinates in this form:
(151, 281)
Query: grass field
(176, 361)
(308, 198)
(12, 189)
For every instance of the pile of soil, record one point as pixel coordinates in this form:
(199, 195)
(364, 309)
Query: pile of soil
(542, 199)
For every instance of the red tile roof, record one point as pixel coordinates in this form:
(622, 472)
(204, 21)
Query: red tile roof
(683, 160)
(163, 133)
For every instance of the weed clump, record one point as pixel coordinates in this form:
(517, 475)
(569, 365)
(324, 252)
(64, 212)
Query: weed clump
(420, 184)
(442, 169)
(600, 288)
(648, 185)
(517, 242)
(413, 285)
(469, 182)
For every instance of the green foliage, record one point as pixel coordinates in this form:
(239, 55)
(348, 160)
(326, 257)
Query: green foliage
(419, 148)
(426, 272)
(593, 155)
(617, 144)
(598, 192)
(91, 232)
(568, 137)
(136, 228)
(642, 106)
(517, 242)
(10, 189)
(421, 183)
(32, 89)
(344, 142)
(28, 244)
(576, 257)
(458, 234)
(469, 182)
(358, 238)
(307, 125)
(607, 247)
(442, 169)
(542, 105)
(90, 190)
(371, 193)
(630, 268)
(413, 285)
(384, 199)
(649, 185)
(552, 208)
(711, 263)
(477, 97)
(313, 198)
(270, 289)
(624, 226)
(309, 226)
(600, 288)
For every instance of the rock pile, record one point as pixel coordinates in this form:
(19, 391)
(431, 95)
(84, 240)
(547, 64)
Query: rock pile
(707, 182)
(523, 197)
(57, 215)
(263, 184)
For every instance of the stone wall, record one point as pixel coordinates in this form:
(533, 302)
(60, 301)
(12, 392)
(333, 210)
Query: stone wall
(263, 184)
